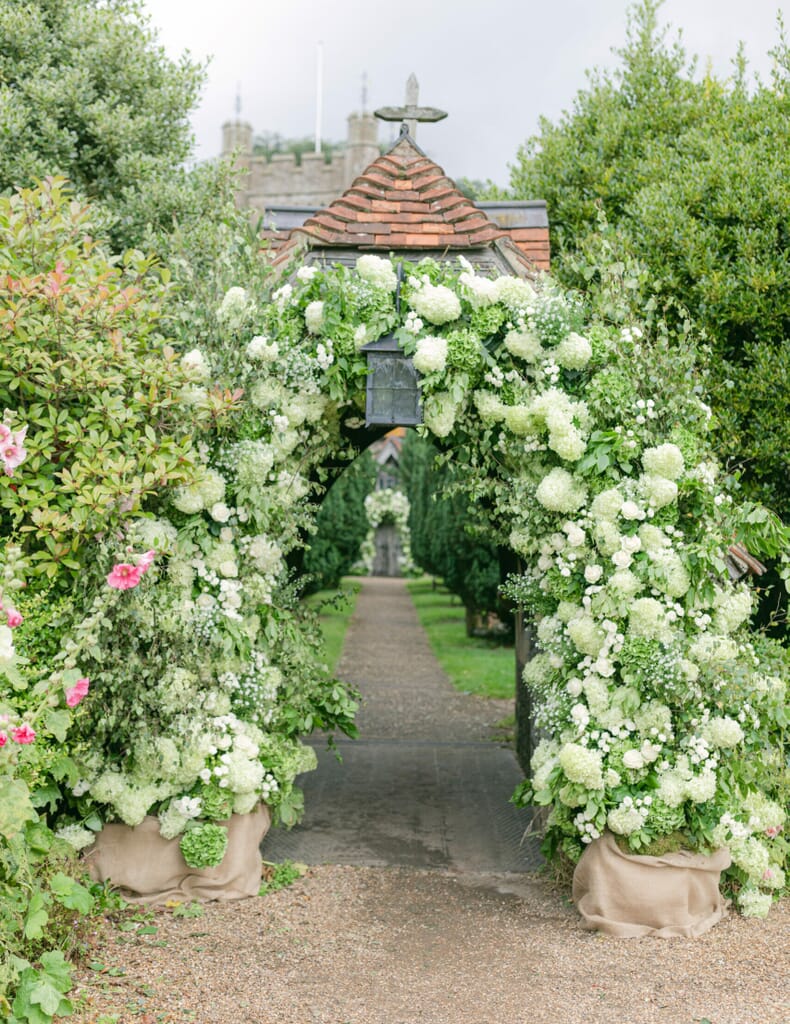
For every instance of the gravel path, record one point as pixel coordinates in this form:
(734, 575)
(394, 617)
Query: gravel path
(401, 945)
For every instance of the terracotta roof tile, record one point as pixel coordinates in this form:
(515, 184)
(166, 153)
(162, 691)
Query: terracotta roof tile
(403, 200)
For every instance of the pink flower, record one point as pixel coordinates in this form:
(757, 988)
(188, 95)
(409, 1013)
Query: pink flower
(23, 734)
(13, 454)
(146, 560)
(3, 738)
(14, 618)
(773, 831)
(77, 692)
(5, 433)
(124, 576)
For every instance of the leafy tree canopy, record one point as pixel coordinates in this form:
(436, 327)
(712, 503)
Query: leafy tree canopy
(688, 175)
(87, 92)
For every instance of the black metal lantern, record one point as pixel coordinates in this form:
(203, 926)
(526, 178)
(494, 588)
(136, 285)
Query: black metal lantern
(393, 395)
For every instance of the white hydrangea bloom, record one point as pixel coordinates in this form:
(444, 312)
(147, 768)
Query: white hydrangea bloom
(437, 304)
(154, 533)
(200, 495)
(586, 635)
(624, 584)
(624, 820)
(666, 460)
(573, 352)
(378, 272)
(314, 316)
(607, 504)
(233, 307)
(654, 540)
(754, 903)
(480, 291)
(489, 407)
(582, 765)
(306, 274)
(439, 413)
(732, 608)
(559, 491)
(261, 350)
(701, 788)
(525, 345)
(658, 490)
(194, 363)
(76, 836)
(647, 618)
(722, 732)
(430, 355)
(513, 292)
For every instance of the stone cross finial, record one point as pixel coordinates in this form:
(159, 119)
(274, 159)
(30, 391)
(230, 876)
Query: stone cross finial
(411, 112)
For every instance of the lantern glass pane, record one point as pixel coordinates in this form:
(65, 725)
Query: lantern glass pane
(392, 393)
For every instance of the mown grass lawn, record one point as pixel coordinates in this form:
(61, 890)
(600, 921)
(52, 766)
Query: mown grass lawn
(474, 664)
(334, 613)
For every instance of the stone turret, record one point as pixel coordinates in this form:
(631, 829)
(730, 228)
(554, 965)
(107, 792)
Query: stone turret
(363, 146)
(237, 138)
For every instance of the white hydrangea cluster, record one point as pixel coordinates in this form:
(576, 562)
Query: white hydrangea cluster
(560, 491)
(582, 765)
(439, 413)
(205, 492)
(435, 303)
(314, 316)
(573, 353)
(479, 291)
(430, 355)
(261, 350)
(195, 365)
(665, 460)
(377, 271)
(525, 345)
(234, 308)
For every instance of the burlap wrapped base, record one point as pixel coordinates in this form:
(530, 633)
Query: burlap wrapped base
(150, 869)
(628, 895)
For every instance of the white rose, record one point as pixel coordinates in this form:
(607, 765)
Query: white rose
(633, 759)
(220, 512)
(630, 510)
(574, 687)
(622, 559)
(593, 573)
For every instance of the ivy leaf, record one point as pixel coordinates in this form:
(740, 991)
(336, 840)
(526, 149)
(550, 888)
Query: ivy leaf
(36, 916)
(15, 807)
(71, 894)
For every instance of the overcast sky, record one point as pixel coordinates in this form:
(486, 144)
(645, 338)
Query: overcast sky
(496, 66)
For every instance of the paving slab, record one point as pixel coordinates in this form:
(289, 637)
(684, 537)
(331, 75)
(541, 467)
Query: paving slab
(426, 785)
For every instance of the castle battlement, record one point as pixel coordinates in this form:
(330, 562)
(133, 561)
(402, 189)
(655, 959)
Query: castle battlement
(312, 182)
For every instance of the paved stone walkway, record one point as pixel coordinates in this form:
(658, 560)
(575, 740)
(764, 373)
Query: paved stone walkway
(426, 785)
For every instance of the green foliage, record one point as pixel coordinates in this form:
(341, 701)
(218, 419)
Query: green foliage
(41, 993)
(204, 845)
(269, 144)
(87, 92)
(483, 665)
(341, 526)
(280, 876)
(692, 176)
(85, 368)
(334, 609)
(440, 524)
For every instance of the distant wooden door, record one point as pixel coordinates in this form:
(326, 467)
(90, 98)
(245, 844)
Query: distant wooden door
(388, 551)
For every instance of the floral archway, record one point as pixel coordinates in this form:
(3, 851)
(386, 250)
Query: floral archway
(583, 446)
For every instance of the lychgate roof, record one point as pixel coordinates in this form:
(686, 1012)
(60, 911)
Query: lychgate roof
(404, 203)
